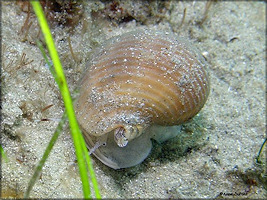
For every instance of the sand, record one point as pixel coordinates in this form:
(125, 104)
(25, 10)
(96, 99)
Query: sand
(214, 156)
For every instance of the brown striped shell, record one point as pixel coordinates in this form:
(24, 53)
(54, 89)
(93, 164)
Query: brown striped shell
(136, 81)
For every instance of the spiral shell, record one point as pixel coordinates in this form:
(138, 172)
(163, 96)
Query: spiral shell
(136, 81)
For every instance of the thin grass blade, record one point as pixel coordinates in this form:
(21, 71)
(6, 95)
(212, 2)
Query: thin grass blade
(3, 155)
(79, 144)
(45, 155)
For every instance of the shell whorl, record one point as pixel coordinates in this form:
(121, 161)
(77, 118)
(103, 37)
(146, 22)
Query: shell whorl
(141, 78)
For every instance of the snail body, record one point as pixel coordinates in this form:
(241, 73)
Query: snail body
(138, 86)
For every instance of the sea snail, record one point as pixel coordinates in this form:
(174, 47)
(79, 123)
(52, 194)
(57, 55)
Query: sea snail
(139, 86)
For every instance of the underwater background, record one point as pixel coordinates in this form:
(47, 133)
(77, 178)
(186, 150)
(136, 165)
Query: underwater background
(213, 156)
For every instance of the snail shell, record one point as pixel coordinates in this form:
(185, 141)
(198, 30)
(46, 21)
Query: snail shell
(139, 86)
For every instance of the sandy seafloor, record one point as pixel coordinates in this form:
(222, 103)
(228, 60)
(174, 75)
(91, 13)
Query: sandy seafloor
(214, 156)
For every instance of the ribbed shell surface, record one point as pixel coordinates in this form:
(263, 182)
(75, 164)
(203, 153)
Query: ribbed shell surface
(141, 78)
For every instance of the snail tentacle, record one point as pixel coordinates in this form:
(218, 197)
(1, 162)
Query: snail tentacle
(101, 141)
